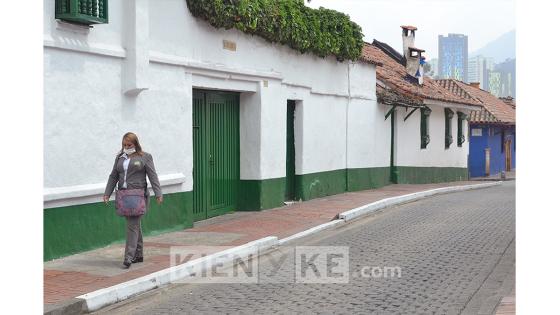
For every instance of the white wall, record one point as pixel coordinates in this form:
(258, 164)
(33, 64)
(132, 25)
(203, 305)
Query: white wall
(407, 146)
(88, 70)
(323, 134)
(369, 135)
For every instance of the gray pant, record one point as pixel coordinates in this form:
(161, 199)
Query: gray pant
(134, 243)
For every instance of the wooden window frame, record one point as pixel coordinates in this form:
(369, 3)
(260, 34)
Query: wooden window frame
(461, 117)
(448, 123)
(425, 127)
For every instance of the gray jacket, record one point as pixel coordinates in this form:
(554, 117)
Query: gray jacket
(138, 168)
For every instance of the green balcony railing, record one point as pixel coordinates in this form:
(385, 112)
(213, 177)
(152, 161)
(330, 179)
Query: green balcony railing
(82, 11)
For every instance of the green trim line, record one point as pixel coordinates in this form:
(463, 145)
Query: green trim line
(261, 194)
(426, 175)
(73, 229)
(321, 184)
(368, 178)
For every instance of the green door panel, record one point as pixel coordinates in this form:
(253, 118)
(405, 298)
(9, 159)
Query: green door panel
(216, 152)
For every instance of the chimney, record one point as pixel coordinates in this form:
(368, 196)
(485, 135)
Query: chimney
(475, 84)
(413, 56)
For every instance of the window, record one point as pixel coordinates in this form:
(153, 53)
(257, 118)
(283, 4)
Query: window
(460, 136)
(448, 121)
(476, 132)
(424, 127)
(82, 11)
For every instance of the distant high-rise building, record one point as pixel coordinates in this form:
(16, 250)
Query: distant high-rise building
(503, 79)
(453, 56)
(479, 68)
(433, 73)
(476, 70)
(489, 67)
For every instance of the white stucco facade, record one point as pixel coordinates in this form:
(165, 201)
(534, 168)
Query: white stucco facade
(407, 140)
(137, 73)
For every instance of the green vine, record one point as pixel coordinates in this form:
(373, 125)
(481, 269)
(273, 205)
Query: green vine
(320, 31)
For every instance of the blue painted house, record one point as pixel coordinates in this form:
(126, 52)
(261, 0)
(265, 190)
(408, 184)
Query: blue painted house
(491, 131)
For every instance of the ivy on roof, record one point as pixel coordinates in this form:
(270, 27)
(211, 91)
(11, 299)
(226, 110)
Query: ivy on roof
(320, 31)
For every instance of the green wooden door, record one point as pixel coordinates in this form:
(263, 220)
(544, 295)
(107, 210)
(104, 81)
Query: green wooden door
(290, 152)
(215, 152)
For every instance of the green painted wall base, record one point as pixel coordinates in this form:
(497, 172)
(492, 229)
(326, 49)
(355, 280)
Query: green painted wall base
(261, 194)
(315, 185)
(368, 178)
(73, 229)
(426, 175)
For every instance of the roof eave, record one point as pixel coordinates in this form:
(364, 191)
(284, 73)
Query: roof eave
(452, 104)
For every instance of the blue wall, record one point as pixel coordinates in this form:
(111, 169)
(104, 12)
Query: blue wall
(492, 140)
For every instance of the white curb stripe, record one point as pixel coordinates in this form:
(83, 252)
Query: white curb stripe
(310, 231)
(393, 201)
(103, 297)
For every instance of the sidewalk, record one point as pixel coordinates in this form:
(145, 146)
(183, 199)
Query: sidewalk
(71, 276)
(507, 305)
(509, 176)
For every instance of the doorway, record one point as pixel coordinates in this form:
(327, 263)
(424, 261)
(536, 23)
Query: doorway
(215, 153)
(508, 155)
(290, 152)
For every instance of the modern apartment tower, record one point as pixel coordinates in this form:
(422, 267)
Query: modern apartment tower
(453, 56)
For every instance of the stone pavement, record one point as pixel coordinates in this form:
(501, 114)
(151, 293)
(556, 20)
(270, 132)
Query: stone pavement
(71, 276)
(455, 254)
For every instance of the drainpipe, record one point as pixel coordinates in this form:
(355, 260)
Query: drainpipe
(347, 109)
(393, 168)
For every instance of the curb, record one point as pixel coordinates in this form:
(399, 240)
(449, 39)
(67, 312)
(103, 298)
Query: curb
(491, 179)
(93, 301)
(393, 201)
(310, 231)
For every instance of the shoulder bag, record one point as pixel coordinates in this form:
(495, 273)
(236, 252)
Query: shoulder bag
(130, 202)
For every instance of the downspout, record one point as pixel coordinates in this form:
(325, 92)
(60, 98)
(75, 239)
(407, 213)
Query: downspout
(347, 109)
(392, 168)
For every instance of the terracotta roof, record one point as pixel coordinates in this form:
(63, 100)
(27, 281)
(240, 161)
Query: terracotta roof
(509, 100)
(392, 74)
(495, 110)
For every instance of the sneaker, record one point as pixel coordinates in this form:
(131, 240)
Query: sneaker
(126, 264)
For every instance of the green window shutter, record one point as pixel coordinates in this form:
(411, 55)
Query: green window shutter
(82, 11)
(448, 136)
(460, 135)
(424, 127)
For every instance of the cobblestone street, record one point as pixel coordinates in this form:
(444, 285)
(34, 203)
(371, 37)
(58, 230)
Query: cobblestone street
(456, 254)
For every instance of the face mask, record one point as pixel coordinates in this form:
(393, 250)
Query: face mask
(129, 151)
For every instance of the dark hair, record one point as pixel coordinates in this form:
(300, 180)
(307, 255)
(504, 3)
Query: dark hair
(130, 136)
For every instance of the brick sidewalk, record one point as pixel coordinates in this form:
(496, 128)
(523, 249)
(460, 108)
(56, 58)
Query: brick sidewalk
(509, 176)
(71, 276)
(507, 305)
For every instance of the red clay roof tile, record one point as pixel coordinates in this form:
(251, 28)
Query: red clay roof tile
(495, 109)
(394, 75)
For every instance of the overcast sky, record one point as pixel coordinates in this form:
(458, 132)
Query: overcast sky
(482, 20)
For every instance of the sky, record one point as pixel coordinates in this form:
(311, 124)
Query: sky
(482, 20)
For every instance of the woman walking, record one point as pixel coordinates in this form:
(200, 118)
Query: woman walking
(129, 171)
